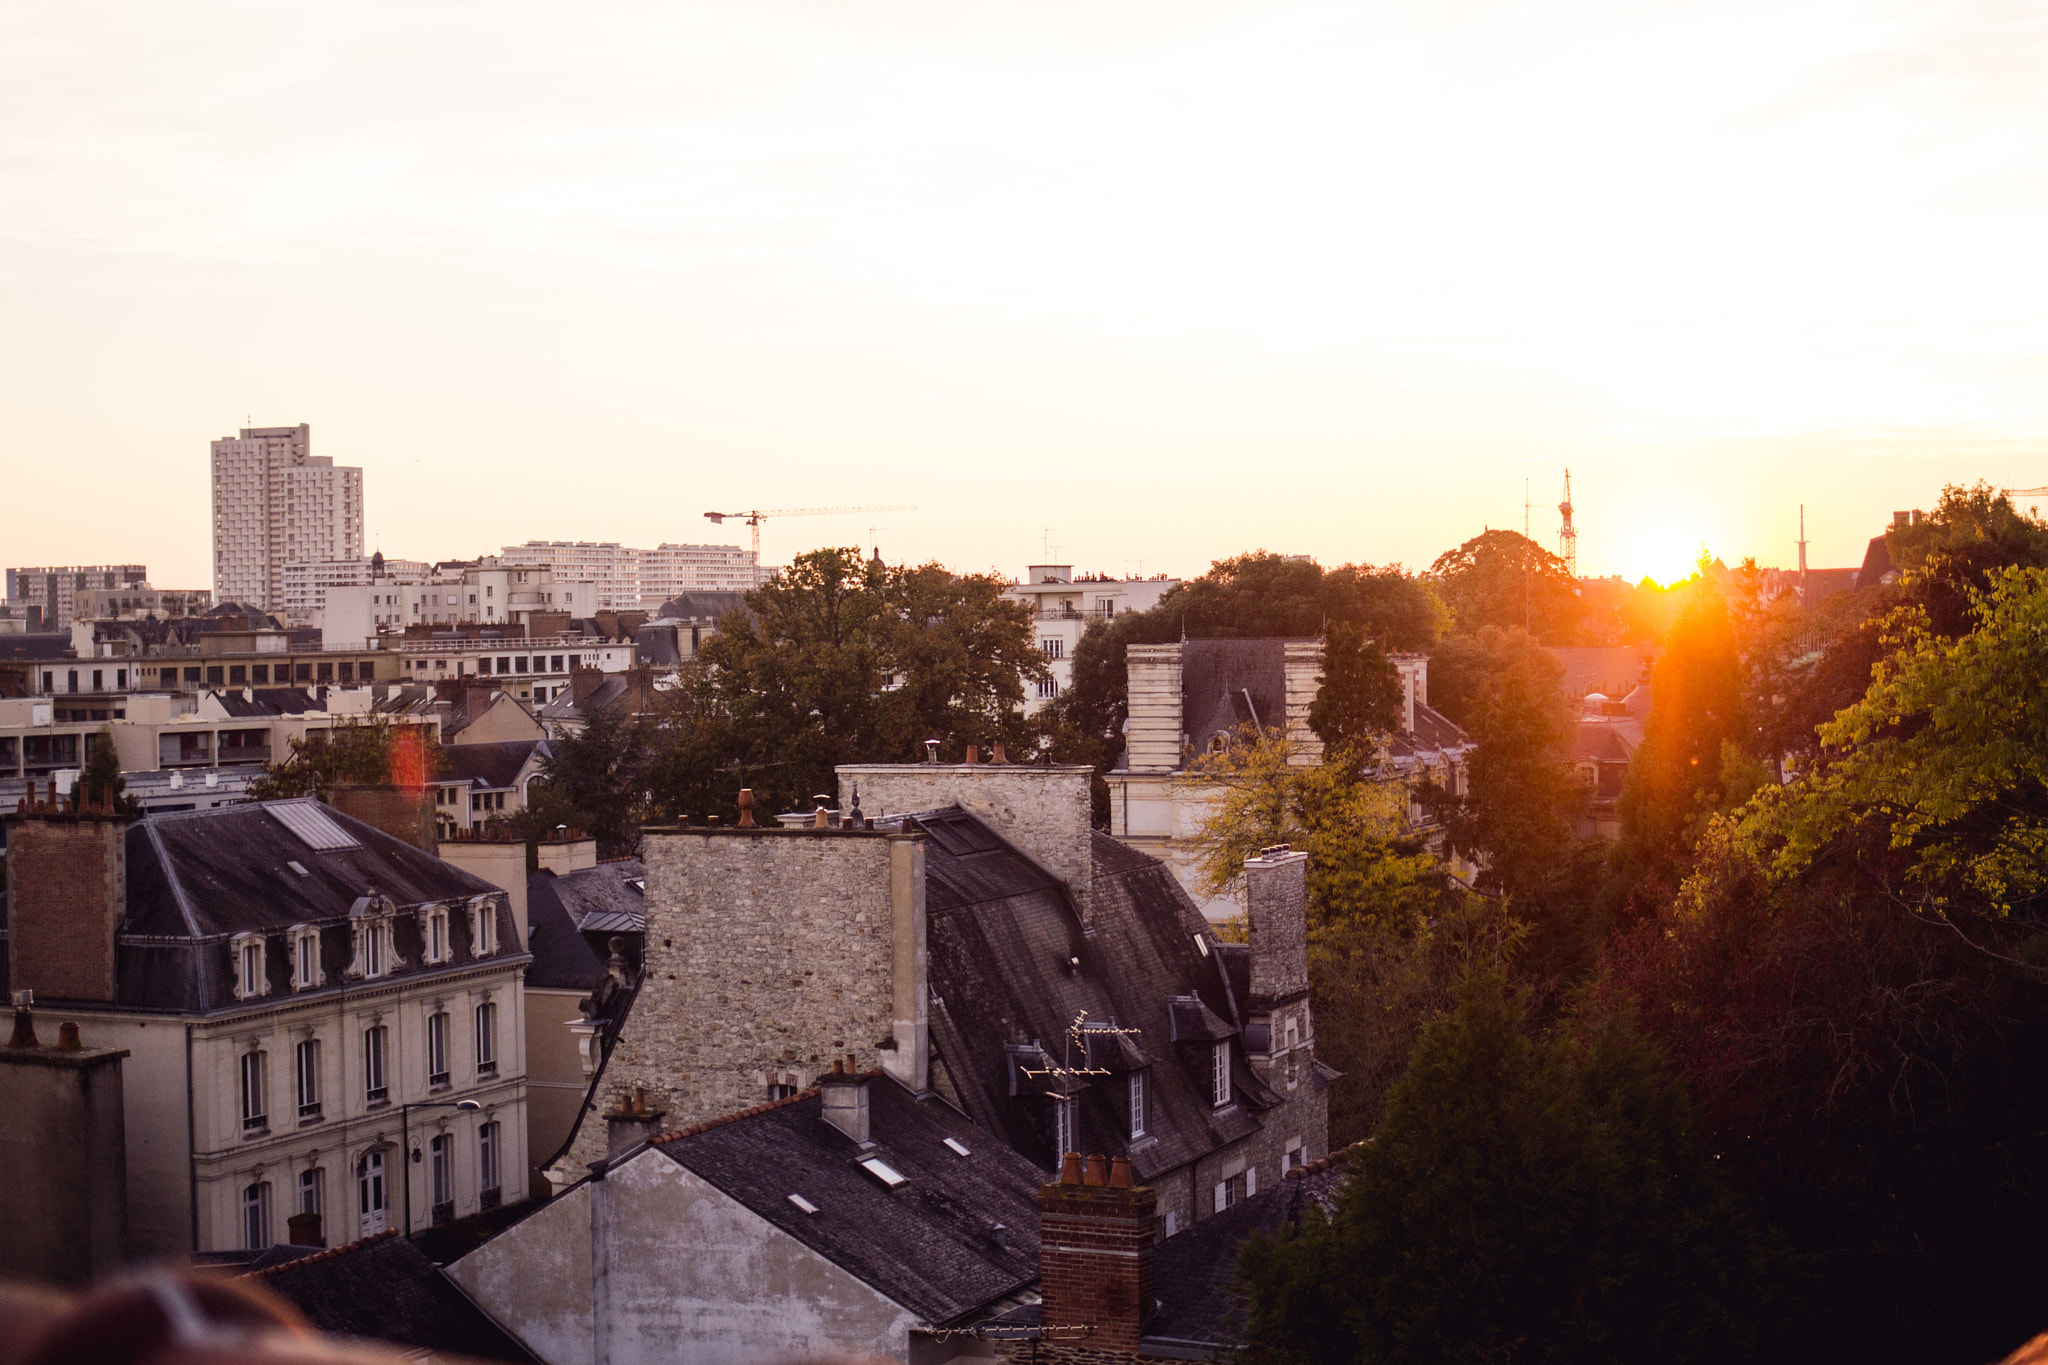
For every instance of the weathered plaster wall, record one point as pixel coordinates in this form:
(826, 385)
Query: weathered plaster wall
(535, 1279)
(766, 951)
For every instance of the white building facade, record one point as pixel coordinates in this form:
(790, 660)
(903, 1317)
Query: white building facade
(1062, 606)
(627, 579)
(276, 503)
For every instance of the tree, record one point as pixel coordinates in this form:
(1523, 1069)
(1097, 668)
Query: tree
(1523, 1199)
(1503, 579)
(842, 659)
(368, 751)
(1360, 698)
(595, 780)
(101, 777)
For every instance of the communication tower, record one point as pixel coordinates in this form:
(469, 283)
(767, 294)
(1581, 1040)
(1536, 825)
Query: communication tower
(1567, 537)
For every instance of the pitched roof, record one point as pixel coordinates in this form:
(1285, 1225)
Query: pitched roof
(1011, 967)
(238, 702)
(563, 959)
(610, 898)
(488, 765)
(384, 1289)
(1226, 683)
(1194, 1273)
(929, 1243)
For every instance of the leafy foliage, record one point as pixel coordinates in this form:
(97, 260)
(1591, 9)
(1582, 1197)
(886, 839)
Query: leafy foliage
(596, 781)
(1535, 1199)
(368, 751)
(102, 775)
(1504, 579)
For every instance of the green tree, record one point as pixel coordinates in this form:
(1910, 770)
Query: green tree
(1529, 1199)
(368, 751)
(1360, 699)
(101, 777)
(1504, 579)
(594, 780)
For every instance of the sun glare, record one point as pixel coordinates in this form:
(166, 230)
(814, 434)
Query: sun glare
(1666, 549)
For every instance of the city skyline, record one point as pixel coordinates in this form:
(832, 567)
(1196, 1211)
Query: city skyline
(1176, 283)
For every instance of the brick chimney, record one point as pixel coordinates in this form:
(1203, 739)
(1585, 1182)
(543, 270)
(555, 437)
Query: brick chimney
(569, 851)
(1096, 1233)
(401, 812)
(64, 1204)
(584, 681)
(67, 873)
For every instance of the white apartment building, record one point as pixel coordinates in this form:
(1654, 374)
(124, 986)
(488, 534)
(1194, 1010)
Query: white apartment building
(486, 593)
(628, 579)
(1062, 606)
(306, 584)
(275, 503)
(319, 1018)
(533, 670)
(55, 588)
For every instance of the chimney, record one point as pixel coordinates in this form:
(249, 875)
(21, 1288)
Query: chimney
(1301, 668)
(401, 812)
(631, 1124)
(67, 873)
(583, 682)
(303, 1229)
(1096, 1253)
(1153, 733)
(569, 851)
(501, 862)
(1276, 923)
(846, 1101)
(64, 1203)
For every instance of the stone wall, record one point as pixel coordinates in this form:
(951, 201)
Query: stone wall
(1276, 923)
(67, 893)
(1044, 811)
(64, 1202)
(769, 951)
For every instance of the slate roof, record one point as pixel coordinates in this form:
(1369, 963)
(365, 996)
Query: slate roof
(610, 898)
(1435, 735)
(1194, 1274)
(488, 765)
(929, 1244)
(563, 959)
(267, 702)
(1004, 939)
(1226, 683)
(384, 1289)
(197, 877)
(565, 706)
(37, 647)
(695, 608)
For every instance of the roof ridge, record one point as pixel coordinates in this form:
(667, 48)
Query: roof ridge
(324, 1254)
(662, 1139)
(170, 870)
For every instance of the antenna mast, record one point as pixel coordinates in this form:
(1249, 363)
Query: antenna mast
(1567, 537)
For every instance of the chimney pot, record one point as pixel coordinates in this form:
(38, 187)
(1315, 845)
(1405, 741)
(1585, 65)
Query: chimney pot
(1070, 1168)
(931, 754)
(1120, 1173)
(974, 753)
(998, 756)
(67, 1037)
(1097, 1172)
(746, 807)
(24, 1020)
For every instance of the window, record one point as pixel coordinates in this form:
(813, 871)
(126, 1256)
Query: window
(1053, 649)
(256, 1216)
(251, 979)
(306, 972)
(1219, 1075)
(255, 1112)
(488, 1153)
(487, 1039)
(1172, 1221)
(307, 1061)
(437, 1049)
(1049, 687)
(1234, 1189)
(313, 1192)
(370, 1192)
(1137, 1084)
(1293, 1056)
(374, 1091)
(441, 1175)
(435, 934)
(1292, 1157)
(1064, 1138)
(778, 1091)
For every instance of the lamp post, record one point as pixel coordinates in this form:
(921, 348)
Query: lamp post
(405, 1142)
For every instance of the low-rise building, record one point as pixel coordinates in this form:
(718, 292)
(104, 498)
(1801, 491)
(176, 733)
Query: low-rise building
(321, 1018)
(1062, 606)
(535, 671)
(55, 588)
(485, 592)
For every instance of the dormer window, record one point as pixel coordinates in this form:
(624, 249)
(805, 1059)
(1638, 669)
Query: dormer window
(1137, 1096)
(434, 934)
(306, 971)
(252, 977)
(483, 927)
(374, 952)
(1219, 1075)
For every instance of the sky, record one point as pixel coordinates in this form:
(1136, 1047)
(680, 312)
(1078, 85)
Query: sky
(1125, 284)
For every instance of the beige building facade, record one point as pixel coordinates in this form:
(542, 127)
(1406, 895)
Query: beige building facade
(276, 503)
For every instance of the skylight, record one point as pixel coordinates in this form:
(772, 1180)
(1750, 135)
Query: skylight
(1202, 944)
(806, 1205)
(295, 865)
(958, 1147)
(883, 1171)
(312, 824)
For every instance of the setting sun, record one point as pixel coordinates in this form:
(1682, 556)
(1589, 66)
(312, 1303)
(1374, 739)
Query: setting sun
(1665, 547)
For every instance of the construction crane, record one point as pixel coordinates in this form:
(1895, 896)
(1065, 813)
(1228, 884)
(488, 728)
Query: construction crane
(754, 519)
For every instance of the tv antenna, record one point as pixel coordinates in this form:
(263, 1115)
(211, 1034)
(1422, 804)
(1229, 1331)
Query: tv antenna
(1567, 535)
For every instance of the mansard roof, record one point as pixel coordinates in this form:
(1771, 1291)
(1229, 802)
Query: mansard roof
(1012, 966)
(929, 1243)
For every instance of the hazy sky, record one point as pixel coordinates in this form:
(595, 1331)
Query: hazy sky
(1173, 279)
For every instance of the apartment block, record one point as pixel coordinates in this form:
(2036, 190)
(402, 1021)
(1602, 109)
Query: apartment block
(1062, 606)
(55, 589)
(626, 578)
(276, 503)
(306, 583)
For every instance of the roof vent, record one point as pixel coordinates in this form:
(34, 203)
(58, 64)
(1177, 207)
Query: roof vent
(883, 1171)
(958, 1148)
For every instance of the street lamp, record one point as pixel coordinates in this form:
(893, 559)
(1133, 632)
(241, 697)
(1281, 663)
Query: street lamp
(405, 1141)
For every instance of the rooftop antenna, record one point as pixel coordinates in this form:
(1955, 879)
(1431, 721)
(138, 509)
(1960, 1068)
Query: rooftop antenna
(1567, 535)
(1526, 505)
(1802, 554)
(1140, 563)
(1045, 543)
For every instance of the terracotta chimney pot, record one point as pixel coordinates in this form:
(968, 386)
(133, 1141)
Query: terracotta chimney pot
(1070, 1168)
(1120, 1173)
(1098, 1172)
(974, 753)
